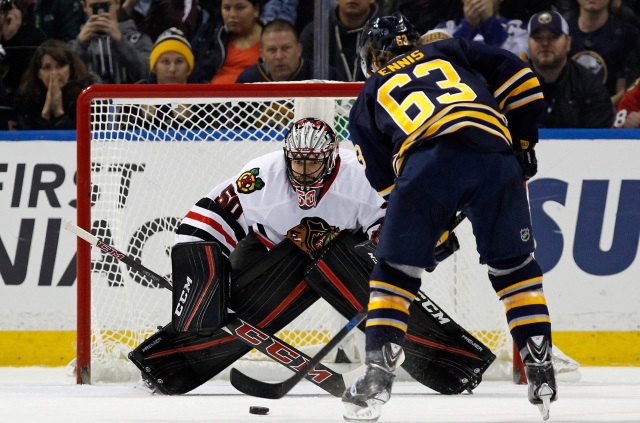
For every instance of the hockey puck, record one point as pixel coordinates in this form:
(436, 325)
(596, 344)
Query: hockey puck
(258, 410)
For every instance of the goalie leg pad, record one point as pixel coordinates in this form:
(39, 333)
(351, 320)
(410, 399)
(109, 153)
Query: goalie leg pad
(440, 354)
(178, 362)
(200, 283)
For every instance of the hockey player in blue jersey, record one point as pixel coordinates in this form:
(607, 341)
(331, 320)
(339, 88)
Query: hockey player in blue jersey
(443, 127)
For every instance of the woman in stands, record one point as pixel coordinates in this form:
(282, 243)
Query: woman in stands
(47, 95)
(224, 48)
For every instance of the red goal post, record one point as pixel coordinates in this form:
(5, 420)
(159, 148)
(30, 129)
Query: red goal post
(139, 174)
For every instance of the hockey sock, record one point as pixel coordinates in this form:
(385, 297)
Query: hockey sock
(392, 291)
(518, 283)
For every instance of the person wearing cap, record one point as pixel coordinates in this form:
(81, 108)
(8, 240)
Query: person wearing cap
(574, 97)
(171, 60)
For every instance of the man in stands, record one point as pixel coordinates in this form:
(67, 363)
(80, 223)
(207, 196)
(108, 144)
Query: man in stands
(469, 148)
(345, 26)
(272, 222)
(281, 57)
(574, 97)
(116, 51)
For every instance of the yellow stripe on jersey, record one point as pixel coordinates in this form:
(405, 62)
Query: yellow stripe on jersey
(504, 87)
(386, 191)
(373, 284)
(524, 101)
(525, 86)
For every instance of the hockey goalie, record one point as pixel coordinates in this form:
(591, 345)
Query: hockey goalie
(289, 229)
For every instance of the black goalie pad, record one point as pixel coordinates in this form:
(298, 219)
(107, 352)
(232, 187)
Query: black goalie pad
(178, 362)
(200, 284)
(440, 354)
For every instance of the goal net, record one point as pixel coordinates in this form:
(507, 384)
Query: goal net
(147, 153)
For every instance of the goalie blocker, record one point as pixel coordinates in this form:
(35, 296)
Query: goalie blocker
(440, 354)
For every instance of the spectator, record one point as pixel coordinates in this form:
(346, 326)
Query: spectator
(574, 97)
(58, 19)
(281, 57)
(184, 15)
(345, 27)
(482, 22)
(19, 39)
(171, 62)
(286, 10)
(117, 51)
(223, 49)
(46, 98)
(628, 113)
(604, 44)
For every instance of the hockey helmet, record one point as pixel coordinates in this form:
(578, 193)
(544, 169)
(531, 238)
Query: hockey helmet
(311, 143)
(386, 35)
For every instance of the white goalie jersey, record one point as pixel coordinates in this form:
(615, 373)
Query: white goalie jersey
(261, 198)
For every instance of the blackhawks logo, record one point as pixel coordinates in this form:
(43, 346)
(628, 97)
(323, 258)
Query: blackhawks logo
(312, 234)
(249, 181)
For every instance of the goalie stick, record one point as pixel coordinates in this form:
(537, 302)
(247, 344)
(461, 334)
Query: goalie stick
(258, 388)
(267, 344)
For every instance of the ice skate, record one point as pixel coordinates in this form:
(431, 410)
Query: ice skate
(363, 400)
(146, 386)
(539, 369)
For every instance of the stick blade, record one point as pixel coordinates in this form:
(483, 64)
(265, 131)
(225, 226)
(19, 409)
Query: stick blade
(247, 385)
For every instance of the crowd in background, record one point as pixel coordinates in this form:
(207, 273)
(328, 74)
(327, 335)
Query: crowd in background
(586, 53)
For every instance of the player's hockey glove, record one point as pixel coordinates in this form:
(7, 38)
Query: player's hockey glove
(526, 156)
(446, 246)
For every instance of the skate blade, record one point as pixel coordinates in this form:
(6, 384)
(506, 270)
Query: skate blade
(544, 394)
(356, 413)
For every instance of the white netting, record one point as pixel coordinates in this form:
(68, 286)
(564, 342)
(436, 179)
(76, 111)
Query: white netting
(148, 171)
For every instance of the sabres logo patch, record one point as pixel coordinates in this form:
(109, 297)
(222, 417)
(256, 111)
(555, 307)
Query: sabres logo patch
(249, 181)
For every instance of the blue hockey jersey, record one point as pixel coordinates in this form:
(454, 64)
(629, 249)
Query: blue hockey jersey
(485, 96)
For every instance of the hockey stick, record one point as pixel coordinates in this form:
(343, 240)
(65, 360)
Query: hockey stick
(258, 388)
(108, 249)
(269, 345)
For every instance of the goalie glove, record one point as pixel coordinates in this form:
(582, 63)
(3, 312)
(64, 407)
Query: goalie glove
(526, 155)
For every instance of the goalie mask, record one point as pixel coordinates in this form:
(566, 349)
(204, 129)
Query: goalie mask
(384, 38)
(311, 154)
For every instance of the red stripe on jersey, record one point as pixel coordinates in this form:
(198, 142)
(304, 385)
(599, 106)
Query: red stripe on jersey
(264, 240)
(214, 225)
